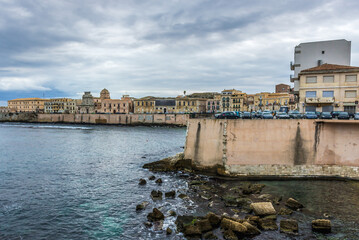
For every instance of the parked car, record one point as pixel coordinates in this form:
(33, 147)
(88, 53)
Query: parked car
(356, 116)
(282, 115)
(228, 115)
(267, 115)
(258, 114)
(246, 115)
(351, 114)
(344, 116)
(335, 114)
(326, 115)
(310, 115)
(295, 115)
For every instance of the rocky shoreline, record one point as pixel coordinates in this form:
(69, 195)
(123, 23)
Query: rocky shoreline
(230, 210)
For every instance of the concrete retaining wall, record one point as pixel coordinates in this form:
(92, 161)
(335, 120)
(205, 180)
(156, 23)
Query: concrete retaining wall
(276, 147)
(125, 119)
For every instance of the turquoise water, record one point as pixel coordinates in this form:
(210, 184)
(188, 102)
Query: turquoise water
(81, 182)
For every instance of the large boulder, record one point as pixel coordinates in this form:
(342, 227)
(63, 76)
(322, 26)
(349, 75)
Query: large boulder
(213, 219)
(289, 226)
(322, 225)
(251, 230)
(263, 208)
(156, 195)
(155, 215)
(204, 225)
(293, 204)
(192, 230)
(209, 235)
(233, 225)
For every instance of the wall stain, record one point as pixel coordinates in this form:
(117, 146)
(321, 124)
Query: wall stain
(318, 129)
(299, 154)
(196, 143)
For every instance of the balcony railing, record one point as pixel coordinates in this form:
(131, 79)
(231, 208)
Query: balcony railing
(292, 79)
(319, 100)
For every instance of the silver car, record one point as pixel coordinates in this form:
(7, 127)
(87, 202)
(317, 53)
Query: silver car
(356, 116)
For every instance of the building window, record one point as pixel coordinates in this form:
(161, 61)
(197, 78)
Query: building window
(328, 93)
(351, 94)
(311, 79)
(328, 79)
(323, 52)
(350, 78)
(310, 94)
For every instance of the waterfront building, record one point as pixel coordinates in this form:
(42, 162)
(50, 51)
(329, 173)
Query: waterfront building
(27, 105)
(60, 105)
(329, 88)
(87, 104)
(123, 105)
(313, 54)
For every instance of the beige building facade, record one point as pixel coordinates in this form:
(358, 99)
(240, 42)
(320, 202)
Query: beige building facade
(27, 105)
(122, 106)
(60, 105)
(329, 88)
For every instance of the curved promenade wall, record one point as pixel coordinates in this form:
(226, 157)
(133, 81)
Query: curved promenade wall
(125, 119)
(272, 148)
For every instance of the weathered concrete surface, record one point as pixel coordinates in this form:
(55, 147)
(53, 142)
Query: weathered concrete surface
(293, 148)
(125, 119)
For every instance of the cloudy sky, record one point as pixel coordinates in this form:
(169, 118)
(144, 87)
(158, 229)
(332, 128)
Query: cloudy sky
(60, 48)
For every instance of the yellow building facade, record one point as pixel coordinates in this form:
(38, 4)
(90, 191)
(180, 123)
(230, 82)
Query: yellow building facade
(27, 105)
(329, 88)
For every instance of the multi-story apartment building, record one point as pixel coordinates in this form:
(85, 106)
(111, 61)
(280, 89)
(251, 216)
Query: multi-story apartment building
(60, 105)
(233, 100)
(274, 101)
(144, 105)
(329, 88)
(313, 54)
(4, 109)
(27, 105)
(214, 105)
(185, 104)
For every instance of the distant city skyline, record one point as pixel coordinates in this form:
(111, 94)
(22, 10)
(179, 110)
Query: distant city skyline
(63, 48)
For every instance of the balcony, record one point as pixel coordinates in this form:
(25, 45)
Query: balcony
(292, 79)
(319, 100)
(293, 66)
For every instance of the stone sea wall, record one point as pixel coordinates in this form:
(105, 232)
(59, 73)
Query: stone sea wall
(292, 148)
(124, 119)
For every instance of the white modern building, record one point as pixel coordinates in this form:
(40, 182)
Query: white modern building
(313, 54)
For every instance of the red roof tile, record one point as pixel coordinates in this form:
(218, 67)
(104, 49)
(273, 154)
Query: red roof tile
(327, 66)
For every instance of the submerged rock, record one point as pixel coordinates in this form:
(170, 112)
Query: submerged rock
(268, 224)
(182, 196)
(156, 195)
(209, 235)
(152, 177)
(204, 225)
(142, 181)
(289, 226)
(293, 204)
(263, 208)
(172, 213)
(192, 230)
(171, 194)
(285, 211)
(142, 206)
(168, 231)
(322, 225)
(252, 188)
(155, 215)
(159, 181)
(148, 224)
(229, 235)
